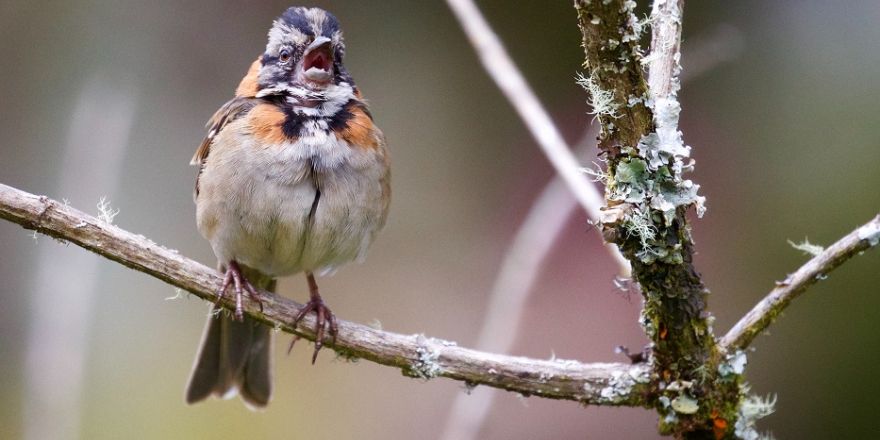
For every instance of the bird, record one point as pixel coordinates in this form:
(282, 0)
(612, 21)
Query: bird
(294, 177)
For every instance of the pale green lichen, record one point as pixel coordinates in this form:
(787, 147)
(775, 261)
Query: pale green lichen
(682, 402)
(806, 247)
(635, 27)
(734, 365)
(650, 179)
(425, 365)
(602, 101)
(670, 417)
(751, 409)
(597, 174)
(106, 212)
(871, 233)
(652, 185)
(685, 404)
(620, 385)
(701, 373)
(638, 223)
(634, 100)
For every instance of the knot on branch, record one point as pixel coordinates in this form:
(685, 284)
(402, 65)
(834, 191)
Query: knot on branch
(46, 204)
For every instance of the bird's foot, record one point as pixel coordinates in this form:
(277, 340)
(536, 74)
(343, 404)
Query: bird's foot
(325, 321)
(241, 285)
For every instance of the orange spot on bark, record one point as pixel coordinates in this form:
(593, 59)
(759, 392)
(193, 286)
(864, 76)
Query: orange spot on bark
(266, 121)
(663, 331)
(248, 85)
(719, 427)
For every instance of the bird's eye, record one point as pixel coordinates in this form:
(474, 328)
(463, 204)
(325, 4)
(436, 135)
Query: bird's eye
(284, 56)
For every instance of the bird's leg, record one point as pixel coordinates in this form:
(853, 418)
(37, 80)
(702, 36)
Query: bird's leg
(233, 276)
(325, 317)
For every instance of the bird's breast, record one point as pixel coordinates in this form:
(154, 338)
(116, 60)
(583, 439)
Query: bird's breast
(284, 204)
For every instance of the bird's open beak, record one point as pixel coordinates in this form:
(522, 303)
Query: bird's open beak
(317, 64)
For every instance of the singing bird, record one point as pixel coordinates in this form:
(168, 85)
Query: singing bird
(293, 178)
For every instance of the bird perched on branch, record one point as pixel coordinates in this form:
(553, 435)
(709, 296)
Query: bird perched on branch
(293, 177)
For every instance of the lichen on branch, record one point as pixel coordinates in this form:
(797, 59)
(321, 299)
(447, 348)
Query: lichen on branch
(647, 199)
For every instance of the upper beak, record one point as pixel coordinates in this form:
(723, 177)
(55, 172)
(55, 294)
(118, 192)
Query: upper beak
(320, 41)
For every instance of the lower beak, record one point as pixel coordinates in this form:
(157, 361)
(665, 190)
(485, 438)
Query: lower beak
(318, 61)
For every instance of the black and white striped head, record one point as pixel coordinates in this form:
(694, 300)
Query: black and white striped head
(304, 54)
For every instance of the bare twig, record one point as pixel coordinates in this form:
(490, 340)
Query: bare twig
(762, 315)
(416, 355)
(504, 72)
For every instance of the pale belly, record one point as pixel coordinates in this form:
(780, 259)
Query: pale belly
(290, 208)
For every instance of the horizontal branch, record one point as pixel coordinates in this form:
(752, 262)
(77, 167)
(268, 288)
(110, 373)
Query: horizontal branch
(762, 315)
(416, 355)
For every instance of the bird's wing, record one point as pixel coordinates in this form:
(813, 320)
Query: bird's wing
(232, 110)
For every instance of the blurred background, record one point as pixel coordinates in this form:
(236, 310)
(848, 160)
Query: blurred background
(108, 98)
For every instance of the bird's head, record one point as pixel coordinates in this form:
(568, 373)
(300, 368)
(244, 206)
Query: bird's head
(303, 58)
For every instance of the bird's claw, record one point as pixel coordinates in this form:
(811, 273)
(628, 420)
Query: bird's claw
(241, 285)
(325, 321)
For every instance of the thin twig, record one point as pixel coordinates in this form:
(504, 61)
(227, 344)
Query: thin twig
(762, 315)
(417, 355)
(507, 76)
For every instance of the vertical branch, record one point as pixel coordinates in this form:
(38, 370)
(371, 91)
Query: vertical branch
(647, 199)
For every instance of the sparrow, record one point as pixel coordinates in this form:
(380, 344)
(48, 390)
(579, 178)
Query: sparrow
(293, 178)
